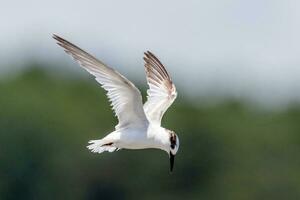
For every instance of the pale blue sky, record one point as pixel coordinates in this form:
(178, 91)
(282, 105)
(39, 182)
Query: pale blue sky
(245, 49)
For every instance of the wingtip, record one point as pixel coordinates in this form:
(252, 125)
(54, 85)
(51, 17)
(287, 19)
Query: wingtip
(148, 53)
(59, 40)
(151, 54)
(54, 36)
(146, 56)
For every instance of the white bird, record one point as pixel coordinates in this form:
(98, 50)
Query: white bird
(139, 125)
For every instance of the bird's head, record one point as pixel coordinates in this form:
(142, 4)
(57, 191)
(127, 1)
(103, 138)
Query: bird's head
(173, 147)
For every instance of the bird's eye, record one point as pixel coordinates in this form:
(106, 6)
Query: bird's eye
(173, 141)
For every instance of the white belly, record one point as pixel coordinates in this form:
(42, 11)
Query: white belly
(135, 139)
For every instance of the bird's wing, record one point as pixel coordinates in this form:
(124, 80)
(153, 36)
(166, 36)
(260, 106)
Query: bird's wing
(125, 98)
(161, 93)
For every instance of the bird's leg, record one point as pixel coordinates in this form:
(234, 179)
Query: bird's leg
(107, 144)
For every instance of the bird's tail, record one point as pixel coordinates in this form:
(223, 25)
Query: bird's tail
(99, 146)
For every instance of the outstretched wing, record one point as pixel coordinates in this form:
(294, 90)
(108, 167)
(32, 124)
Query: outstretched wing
(161, 93)
(125, 98)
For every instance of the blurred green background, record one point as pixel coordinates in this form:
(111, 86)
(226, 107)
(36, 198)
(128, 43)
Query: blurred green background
(228, 150)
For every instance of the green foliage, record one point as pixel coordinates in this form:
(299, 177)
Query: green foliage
(227, 151)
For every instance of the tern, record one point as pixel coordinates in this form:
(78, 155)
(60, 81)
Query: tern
(139, 126)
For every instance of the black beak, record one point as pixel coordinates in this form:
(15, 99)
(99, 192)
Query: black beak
(172, 157)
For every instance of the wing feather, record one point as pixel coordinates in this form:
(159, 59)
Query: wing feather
(161, 93)
(125, 98)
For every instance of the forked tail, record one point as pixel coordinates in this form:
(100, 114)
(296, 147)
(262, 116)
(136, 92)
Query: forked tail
(99, 146)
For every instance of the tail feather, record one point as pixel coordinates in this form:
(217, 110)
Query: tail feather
(98, 146)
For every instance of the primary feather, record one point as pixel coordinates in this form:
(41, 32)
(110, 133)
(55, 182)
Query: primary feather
(125, 98)
(161, 93)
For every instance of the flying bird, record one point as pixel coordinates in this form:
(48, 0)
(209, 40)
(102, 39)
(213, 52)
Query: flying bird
(139, 126)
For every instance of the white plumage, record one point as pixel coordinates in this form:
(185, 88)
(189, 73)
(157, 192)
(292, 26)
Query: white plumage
(139, 125)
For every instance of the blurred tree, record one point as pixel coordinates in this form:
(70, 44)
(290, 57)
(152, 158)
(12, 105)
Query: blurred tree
(227, 151)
